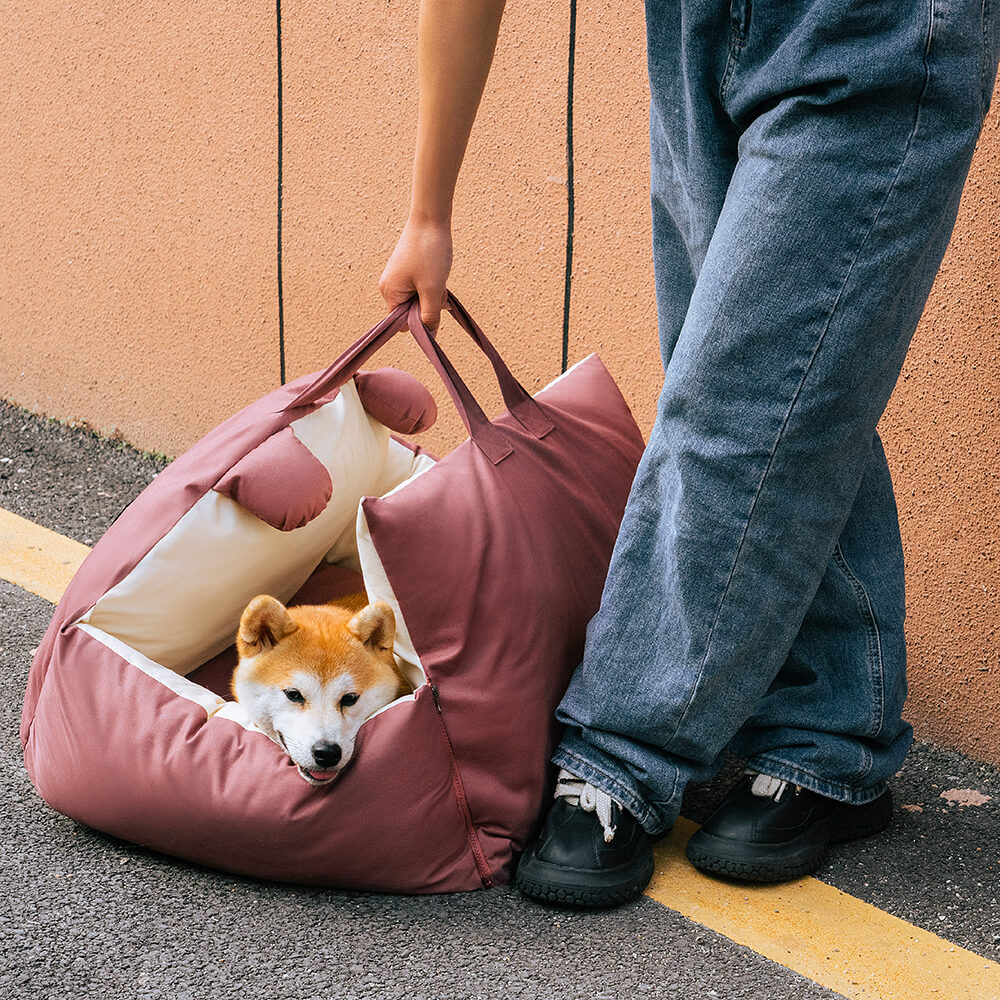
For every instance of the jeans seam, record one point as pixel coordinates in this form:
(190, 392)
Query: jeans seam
(779, 764)
(738, 30)
(984, 81)
(907, 147)
(876, 666)
(727, 74)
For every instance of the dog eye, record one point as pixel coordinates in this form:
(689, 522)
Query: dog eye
(348, 700)
(293, 695)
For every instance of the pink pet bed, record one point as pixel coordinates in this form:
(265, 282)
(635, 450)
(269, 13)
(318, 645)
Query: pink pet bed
(493, 559)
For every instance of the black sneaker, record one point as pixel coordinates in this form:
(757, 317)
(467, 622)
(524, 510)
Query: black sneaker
(591, 852)
(768, 830)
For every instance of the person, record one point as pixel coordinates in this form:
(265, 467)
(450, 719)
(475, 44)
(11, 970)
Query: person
(807, 160)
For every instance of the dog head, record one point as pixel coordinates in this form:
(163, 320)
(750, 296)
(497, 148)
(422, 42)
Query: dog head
(310, 675)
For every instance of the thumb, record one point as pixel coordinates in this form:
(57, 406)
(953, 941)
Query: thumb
(431, 304)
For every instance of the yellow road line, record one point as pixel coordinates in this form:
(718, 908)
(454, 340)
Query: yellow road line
(36, 558)
(838, 941)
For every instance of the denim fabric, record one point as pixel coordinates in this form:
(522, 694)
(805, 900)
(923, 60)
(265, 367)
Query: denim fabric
(808, 158)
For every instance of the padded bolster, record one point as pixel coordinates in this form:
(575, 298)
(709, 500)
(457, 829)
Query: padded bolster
(281, 482)
(397, 399)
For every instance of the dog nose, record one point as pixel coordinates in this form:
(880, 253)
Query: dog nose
(326, 754)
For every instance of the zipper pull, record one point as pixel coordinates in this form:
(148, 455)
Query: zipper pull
(437, 700)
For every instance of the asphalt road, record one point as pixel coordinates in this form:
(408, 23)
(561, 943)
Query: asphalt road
(85, 915)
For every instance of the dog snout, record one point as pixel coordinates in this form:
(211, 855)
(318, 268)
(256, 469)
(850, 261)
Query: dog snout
(326, 754)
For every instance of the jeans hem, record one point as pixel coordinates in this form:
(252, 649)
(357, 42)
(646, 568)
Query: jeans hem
(839, 791)
(650, 819)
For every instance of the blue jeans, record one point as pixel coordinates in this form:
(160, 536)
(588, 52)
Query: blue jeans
(808, 157)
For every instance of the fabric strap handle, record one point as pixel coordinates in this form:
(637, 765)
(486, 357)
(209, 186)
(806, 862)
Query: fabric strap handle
(487, 437)
(522, 406)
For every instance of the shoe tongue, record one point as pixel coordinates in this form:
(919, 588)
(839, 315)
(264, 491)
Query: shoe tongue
(766, 787)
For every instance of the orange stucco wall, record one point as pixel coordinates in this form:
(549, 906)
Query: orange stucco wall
(139, 273)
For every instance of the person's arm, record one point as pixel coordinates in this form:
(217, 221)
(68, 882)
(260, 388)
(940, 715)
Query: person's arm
(456, 40)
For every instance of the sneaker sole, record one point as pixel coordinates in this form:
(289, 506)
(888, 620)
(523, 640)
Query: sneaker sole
(713, 855)
(562, 892)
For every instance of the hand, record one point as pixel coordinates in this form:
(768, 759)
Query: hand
(420, 263)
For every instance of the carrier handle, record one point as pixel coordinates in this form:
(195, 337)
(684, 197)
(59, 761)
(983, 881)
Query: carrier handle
(521, 404)
(490, 440)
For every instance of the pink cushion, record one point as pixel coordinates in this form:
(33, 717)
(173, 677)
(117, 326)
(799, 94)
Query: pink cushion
(396, 399)
(281, 481)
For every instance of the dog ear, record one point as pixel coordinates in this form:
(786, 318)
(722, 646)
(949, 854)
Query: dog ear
(263, 624)
(374, 625)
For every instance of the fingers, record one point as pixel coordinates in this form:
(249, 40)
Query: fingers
(396, 290)
(431, 300)
(420, 264)
(393, 291)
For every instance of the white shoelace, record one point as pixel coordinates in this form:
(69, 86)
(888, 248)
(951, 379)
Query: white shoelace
(766, 787)
(578, 792)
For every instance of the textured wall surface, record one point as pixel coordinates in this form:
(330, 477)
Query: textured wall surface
(138, 254)
(136, 251)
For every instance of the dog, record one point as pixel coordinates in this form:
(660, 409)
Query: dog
(309, 676)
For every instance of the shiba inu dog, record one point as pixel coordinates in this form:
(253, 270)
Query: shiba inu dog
(309, 676)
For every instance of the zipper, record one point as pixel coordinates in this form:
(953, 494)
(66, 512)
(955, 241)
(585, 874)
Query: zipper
(482, 866)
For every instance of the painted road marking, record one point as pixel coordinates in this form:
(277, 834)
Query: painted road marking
(834, 939)
(824, 934)
(36, 558)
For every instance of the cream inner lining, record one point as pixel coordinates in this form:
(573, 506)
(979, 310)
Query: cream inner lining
(181, 604)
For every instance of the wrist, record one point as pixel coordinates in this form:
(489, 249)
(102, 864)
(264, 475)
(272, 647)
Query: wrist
(432, 217)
